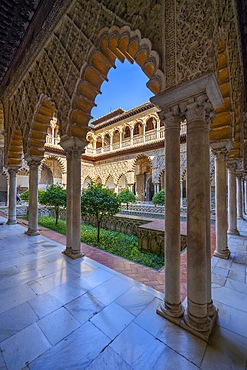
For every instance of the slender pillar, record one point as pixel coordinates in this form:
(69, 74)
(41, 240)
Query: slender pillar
(33, 198)
(239, 197)
(156, 187)
(131, 135)
(221, 250)
(120, 138)
(232, 207)
(181, 193)
(103, 143)
(158, 129)
(111, 141)
(245, 195)
(211, 311)
(73, 148)
(171, 306)
(12, 197)
(144, 132)
(131, 187)
(94, 145)
(196, 315)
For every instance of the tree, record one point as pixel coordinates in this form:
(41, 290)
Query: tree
(99, 202)
(159, 198)
(126, 196)
(25, 195)
(55, 196)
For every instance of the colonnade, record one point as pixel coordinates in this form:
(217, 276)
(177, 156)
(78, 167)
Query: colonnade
(175, 105)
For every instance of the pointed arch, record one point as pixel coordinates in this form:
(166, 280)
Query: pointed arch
(114, 43)
(88, 180)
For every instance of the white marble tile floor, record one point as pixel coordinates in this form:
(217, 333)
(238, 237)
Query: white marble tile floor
(58, 313)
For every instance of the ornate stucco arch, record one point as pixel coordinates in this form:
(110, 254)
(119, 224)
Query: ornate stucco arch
(38, 129)
(14, 153)
(111, 44)
(1, 127)
(61, 162)
(140, 156)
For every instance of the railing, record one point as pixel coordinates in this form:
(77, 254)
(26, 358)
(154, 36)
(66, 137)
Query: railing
(116, 146)
(151, 135)
(137, 139)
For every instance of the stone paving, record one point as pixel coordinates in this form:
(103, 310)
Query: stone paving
(153, 278)
(57, 313)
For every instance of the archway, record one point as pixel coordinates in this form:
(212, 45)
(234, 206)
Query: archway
(46, 176)
(86, 182)
(122, 183)
(143, 172)
(110, 184)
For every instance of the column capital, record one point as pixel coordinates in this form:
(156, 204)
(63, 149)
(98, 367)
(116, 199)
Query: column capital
(220, 153)
(33, 161)
(204, 85)
(171, 117)
(73, 145)
(13, 169)
(232, 166)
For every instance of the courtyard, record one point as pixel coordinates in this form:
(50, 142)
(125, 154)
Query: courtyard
(59, 313)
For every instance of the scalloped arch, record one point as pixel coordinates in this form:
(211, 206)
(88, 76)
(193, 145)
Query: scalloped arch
(15, 150)
(1, 126)
(114, 43)
(41, 120)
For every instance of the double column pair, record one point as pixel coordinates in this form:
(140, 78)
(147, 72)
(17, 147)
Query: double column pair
(200, 314)
(33, 196)
(200, 308)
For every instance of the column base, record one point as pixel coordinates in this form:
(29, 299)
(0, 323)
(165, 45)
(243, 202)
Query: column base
(181, 322)
(203, 332)
(233, 232)
(211, 310)
(225, 254)
(32, 232)
(168, 310)
(72, 254)
(11, 222)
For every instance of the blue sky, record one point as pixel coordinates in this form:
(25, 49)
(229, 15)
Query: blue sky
(126, 88)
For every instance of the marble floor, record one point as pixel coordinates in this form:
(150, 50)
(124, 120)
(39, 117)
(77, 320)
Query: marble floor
(56, 313)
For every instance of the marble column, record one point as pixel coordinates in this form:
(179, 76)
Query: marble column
(156, 187)
(120, 138)
(111, 140)
(158, 129)
(211, 311)
(73, 148)
(232, 207)
(181, 194)
(245, 195)
(131, 135)
(33, 197)
(12, 197)
(94, 145)
(221, 250)
(239, 197)
(196, 315)
(171, 305)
